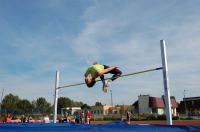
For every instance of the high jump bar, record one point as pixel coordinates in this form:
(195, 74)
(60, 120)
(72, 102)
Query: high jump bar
(123, 75)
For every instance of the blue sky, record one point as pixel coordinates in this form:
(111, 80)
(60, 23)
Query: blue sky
(41, 36)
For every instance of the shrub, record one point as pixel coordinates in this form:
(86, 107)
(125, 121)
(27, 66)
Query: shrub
(161, 117)
(175, 118)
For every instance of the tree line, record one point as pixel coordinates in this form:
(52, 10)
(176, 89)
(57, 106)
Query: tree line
(15, 105)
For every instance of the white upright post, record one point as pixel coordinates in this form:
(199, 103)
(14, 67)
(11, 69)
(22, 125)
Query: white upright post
(166, 83)
(56, 97)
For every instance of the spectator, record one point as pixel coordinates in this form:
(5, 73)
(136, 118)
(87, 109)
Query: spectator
(23, 119)
(128, 117)
(88, 117)
(8, 118)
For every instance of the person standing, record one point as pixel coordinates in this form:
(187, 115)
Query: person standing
(128, 117)
(88, 117)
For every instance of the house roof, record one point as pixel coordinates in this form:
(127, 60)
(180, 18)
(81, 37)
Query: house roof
(158, 102)
(173, 102)
(191, 98)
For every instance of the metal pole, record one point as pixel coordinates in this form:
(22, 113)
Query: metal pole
(56, 97)
(1, 100)
(111, 98)
(166, 83)
(185, 108)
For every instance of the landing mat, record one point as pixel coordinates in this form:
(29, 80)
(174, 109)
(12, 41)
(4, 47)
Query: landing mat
(110, 127)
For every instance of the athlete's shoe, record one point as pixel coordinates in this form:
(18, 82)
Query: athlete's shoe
(106, 86)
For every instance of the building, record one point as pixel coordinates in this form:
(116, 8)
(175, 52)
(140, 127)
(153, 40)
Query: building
(190, 106)
(99, 112)
(70, 110)
(109, 112)
(154, 105)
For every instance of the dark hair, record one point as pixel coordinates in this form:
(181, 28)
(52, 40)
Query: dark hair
(91, 84)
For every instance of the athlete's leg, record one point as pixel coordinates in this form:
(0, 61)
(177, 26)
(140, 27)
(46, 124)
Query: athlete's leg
(102, 78)
(115, 71)
(105, 86)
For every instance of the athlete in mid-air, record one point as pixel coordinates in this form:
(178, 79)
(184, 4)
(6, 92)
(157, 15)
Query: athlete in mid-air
(98, 70)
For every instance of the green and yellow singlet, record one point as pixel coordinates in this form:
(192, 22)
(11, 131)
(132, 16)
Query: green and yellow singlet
(93, 70)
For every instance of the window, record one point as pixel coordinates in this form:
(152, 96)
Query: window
(106, 111)
(154, 110)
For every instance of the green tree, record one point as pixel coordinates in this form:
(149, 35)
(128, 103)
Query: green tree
(85, 107)
(77, 104)
(64, 102)
(43, 106)
(9, 103)
(98, 104)
(25, 106)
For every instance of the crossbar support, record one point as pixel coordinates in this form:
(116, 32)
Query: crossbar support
(166, 83)
(56, 97)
